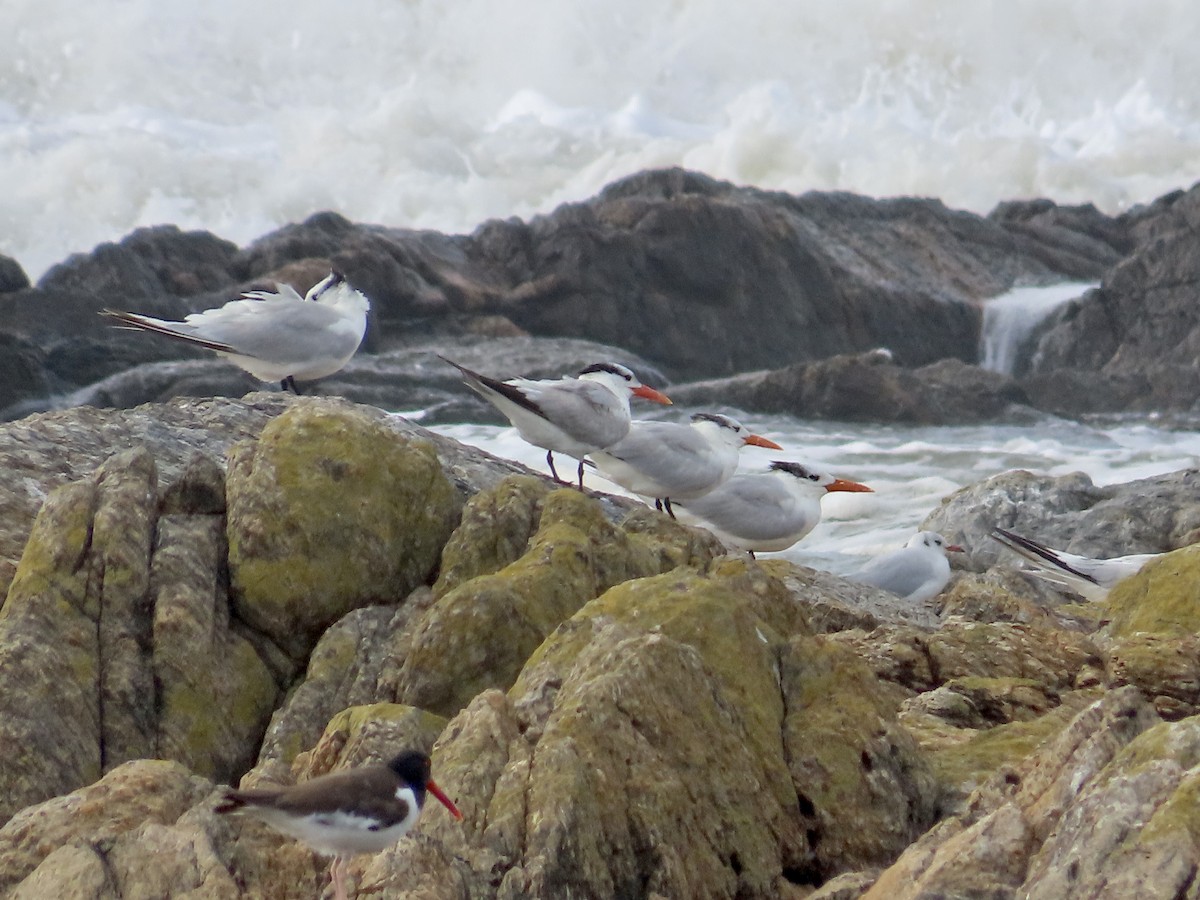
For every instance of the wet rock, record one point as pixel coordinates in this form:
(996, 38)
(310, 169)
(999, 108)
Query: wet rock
(1141, 322)
(329, 511)
(657, 263)
(868, 387)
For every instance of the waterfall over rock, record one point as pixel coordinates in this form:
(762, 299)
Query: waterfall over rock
(1010, 318)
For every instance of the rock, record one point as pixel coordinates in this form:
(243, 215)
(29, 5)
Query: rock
(345, 669)
(479, 633)
(127, 798)
(1160, 599)
(864, 787)
(1150, 515)
(1078, 241)
(108, 635)
(328, 512)
(656, 703)
(405, 378)
(1141, 322)
(987, 850)
(657, 263)
(40, 453)
(495, 531)
(837, 604)
(868, 387)
(1166, 669)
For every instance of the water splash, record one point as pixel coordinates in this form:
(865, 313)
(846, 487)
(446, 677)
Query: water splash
(1009, 319)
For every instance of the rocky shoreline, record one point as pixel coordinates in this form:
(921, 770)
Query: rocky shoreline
(263, 589)
(258, 588)
(781, 299)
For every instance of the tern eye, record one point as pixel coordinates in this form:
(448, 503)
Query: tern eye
(813, 477)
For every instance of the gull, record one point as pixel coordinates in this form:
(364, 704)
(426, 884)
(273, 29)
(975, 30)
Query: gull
(765, 511)
(362, 810)
(274, 335)
(574, 415)
(1090, 578)
(916, 572)
(672, 461)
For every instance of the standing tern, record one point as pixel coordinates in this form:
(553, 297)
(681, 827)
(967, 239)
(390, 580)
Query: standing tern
(916, 572)
(671, 461)
(274, 335)
(765, 511)
(362, 810)
(1090, 578)
(571, 415)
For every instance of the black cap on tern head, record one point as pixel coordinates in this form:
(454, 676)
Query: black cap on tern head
(612, 368)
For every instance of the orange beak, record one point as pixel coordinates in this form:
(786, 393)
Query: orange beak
(954, 548)
(446, 801)
(842, 484)
(759, 441)
(649, 393)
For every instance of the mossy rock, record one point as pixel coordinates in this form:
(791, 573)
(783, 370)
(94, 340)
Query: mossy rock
(735, 616)
(1164, 597)
(966, 764)
(479, 634)
(373, 732)
(328, 512)
(864, 786)
(497, 525)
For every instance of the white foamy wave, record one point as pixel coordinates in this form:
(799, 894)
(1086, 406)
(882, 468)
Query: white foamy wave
(241, 117)
(910, 469)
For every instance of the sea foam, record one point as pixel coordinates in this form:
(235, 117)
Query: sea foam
(238, 117)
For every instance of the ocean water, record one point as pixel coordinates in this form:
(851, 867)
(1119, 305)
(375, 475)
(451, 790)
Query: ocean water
(910, 469)
(240, 117)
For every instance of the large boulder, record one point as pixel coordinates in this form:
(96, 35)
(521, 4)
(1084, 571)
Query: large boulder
(330, 511)
(868, 387)
(479, 633)
(1141, 326)
(108, 635)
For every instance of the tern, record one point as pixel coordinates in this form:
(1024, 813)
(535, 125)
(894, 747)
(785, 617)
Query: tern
(362, 810)
(671, 461)
(1090, 578)
(765, 511)
(274, 335)
(916, 572)
(574, 415)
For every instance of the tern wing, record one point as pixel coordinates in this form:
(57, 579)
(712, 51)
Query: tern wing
(754, 508)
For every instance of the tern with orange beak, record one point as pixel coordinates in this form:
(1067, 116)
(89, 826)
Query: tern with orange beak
(669, 461)
(572, 415)
(765, 511)
(362, 810)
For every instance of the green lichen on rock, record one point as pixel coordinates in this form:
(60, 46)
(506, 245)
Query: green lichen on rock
(497, 524)
(375, 731)
(1163, 597)
(330, 511)
(479, 634)
(963, 765)
(867, 787)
